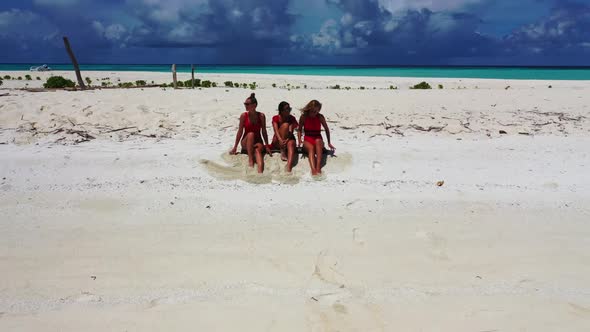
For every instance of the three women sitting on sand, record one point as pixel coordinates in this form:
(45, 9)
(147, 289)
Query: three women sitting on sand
(252, 132)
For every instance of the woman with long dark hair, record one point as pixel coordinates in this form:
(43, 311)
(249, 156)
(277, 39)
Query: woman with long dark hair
(284, 125)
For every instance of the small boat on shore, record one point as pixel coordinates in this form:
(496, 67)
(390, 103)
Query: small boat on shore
(40, 68)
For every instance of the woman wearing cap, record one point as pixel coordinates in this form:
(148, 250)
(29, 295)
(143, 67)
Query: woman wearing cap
(283, 125)
(311, 123)
(251, 132)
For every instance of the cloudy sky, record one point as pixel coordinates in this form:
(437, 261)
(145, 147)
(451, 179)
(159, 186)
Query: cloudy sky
(369, 32)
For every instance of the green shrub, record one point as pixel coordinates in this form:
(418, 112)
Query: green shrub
(337, 87)
(58, 82)
(28, 77)
(206, 84)
(305, 86)
(422, 85)
(1, 82)
(347, 88)
(252, 86)
(274, 85)
(213, 84)
(229, 84)
(187, 83)
(7, 77)
(236, 85)
(550, 87)
(88, 80)
(140, 83)
(38, 78)
(126, 85)
(362, 88)
(440, 86)
(245, 85)
(20, 78)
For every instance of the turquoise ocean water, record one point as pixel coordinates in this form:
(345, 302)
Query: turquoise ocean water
(539, 73)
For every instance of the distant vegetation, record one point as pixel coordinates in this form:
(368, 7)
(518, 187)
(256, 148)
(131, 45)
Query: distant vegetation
(126, 85)
(58, 82)
(140, 83)
(88, 81)
(28, 77)
(7, 77)
(1, 82)
(422, 85)
(440, 86)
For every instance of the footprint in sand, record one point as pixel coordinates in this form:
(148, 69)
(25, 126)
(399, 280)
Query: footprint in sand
(144, 109)
(357, 237)
(438, 244)
(332, 306)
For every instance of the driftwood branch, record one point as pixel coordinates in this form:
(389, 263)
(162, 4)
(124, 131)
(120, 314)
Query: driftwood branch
(429, 129)
(119, 129)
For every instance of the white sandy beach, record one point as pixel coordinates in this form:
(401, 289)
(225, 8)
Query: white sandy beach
(120, 209)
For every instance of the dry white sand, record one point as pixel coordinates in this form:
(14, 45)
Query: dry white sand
(155, 228)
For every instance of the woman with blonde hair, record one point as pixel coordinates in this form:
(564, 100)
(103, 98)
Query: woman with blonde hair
(251, 132)
(310, 124)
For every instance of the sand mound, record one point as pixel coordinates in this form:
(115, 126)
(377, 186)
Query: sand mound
(236, 168)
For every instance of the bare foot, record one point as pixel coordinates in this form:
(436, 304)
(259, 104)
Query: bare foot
(288, 169)
(283, 156)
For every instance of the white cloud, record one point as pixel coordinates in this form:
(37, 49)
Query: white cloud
(434, 5)
(346, 19)
(16, 17)
(113, 32)
(328, 37)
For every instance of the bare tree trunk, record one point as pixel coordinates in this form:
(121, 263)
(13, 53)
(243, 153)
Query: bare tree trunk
(174, 75)
(75, 63)
(192, 76)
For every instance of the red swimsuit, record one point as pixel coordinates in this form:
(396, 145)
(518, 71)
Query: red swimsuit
(290, 120)
(255, 128)
(312, 129)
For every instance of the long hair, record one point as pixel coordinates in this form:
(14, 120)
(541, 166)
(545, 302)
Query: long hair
(282, 105)
(310, 106)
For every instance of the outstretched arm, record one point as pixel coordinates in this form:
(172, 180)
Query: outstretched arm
(327, 130)
(238, 134)
(300, 130)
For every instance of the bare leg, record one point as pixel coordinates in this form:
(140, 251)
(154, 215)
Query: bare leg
(290, 154)
(284, 131)
(248, 145)
(259, 157)
(319, 151)
(311, 156)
